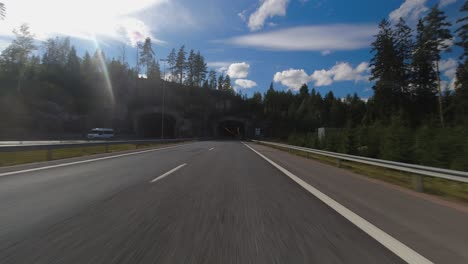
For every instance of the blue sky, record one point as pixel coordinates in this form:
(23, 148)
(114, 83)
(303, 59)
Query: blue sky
(322, 42)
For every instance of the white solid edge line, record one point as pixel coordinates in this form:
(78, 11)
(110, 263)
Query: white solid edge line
(395, 246)
(210, 149)
(84, 161)
(169, 172)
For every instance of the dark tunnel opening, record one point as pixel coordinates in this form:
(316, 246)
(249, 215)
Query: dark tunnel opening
(231, 129)
(150, 125)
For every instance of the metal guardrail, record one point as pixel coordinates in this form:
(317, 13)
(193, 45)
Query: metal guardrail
(106, 144)
(419, 170)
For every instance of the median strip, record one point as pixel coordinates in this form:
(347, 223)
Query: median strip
(392, 244)
(84, 161)
(168, 173)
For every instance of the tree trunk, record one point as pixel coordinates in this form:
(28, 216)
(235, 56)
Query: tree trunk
(441, 112)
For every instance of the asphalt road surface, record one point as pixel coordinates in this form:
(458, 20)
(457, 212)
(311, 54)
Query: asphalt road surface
(203, 202)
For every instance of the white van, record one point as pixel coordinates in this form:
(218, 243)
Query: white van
(100, 133)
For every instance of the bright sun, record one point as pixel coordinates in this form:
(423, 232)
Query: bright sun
(115, 19)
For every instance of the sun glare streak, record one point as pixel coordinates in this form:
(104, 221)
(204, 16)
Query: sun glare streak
(104, 70)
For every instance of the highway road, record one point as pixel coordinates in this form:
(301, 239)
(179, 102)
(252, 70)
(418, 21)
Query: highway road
(218, 202)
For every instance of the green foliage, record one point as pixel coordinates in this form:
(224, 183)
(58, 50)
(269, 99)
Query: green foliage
(461, 93)
(385, 71)
(171, 61)
(462, 31)
(180, 64)
(212, 80)
(14, 59)
(396, 142)
(147, 58)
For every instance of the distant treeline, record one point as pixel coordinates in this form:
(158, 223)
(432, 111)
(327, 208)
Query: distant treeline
(48, 90)
(411, 117)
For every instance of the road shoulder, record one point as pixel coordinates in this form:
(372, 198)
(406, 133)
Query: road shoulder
(432, 229)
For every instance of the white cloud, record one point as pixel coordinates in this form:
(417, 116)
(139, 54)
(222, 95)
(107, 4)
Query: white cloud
(343, 71)
(85, 19)
(448, 68)
(326, 52)
(446, 2)
(4, 43)
(238, 70)
(245, 84)
(322, 78)
(449, 43)
(363, 67)
(409, 10)
(267, 9)
(242, 15)
(272, 24)
(311, 38)
(219, 66)
(447, 64)
(292, 78)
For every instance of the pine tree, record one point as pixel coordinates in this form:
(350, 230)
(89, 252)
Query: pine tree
(56, 53)
(404, 48)
(462, 31)
(423, 76)
(461, 92)
(147, 56)
(206, 84)
(88, 73)
(438, 33)
(72, 68)
(190, 80)
(73, 61)
(171, 62)
(180, 64)
(154, 70)
(269, 102)
(384, 72)
(227, 83)
(200, 69)
(220, 82)
(16, 56)
(304, 91)
(212, 79)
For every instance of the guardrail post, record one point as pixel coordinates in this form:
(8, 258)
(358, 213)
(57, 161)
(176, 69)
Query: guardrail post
(418, 183)
(338, 163)
(49, 154)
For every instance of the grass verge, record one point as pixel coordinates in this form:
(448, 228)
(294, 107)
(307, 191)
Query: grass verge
(451, 190)
(22, 157)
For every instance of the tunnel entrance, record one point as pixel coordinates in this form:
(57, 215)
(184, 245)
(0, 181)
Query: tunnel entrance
(150, 125)
(231, 129)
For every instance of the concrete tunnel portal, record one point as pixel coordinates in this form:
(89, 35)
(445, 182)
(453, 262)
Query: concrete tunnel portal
(150, 125)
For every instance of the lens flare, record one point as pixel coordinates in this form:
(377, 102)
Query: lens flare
(104, 70)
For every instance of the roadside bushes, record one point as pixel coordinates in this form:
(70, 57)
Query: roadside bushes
(426, 145)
